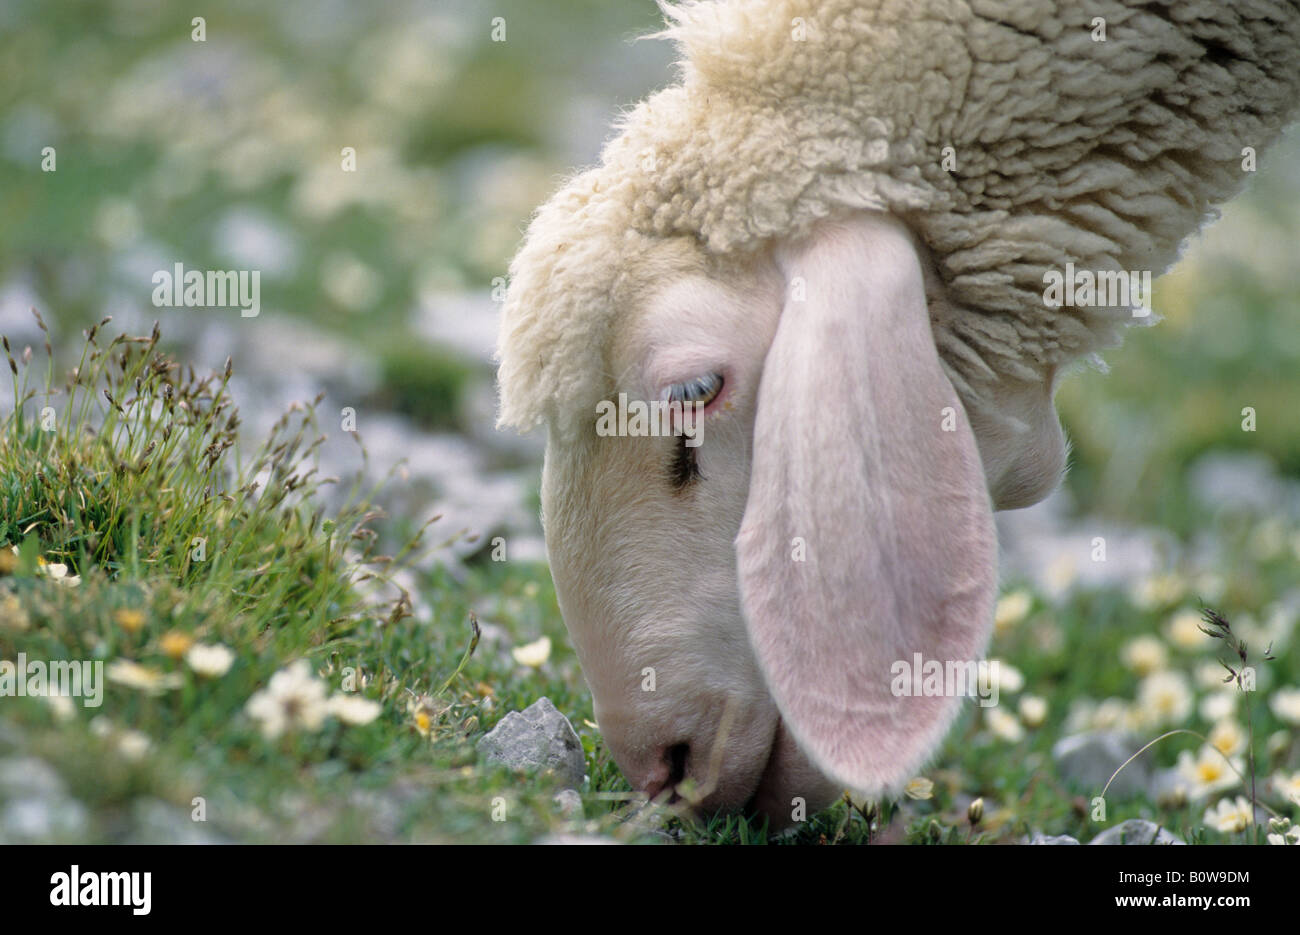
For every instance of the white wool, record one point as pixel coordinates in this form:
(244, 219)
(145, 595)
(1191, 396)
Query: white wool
(1104, 154)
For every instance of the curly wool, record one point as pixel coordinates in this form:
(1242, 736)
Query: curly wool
(1107, 154)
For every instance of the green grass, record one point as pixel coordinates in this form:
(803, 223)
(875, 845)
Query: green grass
(119, 470)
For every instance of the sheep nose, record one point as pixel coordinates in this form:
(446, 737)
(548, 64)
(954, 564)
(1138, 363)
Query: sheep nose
(668, 771)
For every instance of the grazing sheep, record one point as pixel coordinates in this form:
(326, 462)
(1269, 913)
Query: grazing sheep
(839, 231)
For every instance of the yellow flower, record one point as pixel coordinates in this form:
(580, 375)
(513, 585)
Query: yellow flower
(1033, 710)
(1231, 815)
(1011, 609)
(1144, 655)
(533, 654)
(919, 788)
(130, 620)
(1184, 630)
(175, 644)
(1228, 738)
(423, 713)
(133, 675)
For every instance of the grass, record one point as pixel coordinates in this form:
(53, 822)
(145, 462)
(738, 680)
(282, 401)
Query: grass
(141, 529)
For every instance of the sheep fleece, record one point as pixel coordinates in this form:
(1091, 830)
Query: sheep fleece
(1107, 154)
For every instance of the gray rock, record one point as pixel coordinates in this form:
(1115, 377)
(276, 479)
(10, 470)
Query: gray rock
(574, 839)
(537, 738)
(1137, 831)
(569, 804)
(156, 822)
(1040, 838)
(30, 776)
(38, 820)
(1086, 762)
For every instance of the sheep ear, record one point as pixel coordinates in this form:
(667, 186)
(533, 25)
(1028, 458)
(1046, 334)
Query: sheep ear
(868, 533)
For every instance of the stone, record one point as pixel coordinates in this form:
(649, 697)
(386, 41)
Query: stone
(539, 738)
(1040, 838)
(1087, 761)
(1137, 831)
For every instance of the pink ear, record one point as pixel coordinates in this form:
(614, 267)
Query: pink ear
(852, 459)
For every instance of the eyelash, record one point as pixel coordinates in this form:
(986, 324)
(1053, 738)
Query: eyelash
(685, 467)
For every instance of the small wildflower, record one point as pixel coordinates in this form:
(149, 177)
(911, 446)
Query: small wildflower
(1286, 704)
(1207, 772)
(1165, 698)
(133, 744)
(533, 654)
(1157, 591)
(354, 709)
(1011, 609)
(62, 706)
(1144, 655)
(919, 788)
(294, 698)
(211, 660)
(1033, 710)
(1286, 786)
(133, 675)
(129, 619)
(1007, 677)
(1218, 705)
(175, 643)
(423, 713)
(8, 561)
(1004, 725)
(1231, 815)
(1228, 738)
(58, 572)
(1184, 630)
(975, 812)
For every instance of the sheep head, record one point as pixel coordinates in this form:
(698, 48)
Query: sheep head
(776, 237)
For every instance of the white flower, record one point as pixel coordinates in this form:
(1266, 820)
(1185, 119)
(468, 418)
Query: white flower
(1165, 698)
(132, 744)
(1287, 787)
(1184, 630)
(1011, 609)
(533, 654)
(1228, 738)
(58, 572)
(1218, 705)
(1033, 710)
(354, 709)
(1231, 815)
(62, 706)
(1004, 725)
(1157, 591)
(1007, 677)
(211, 660)
(1144, 655)
(919, 788)
(293, 698)
(1286, 704)
(1207, 772)
(1211, 675)
(134, 675)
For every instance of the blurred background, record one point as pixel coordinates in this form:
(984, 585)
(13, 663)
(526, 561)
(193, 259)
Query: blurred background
(377, 285)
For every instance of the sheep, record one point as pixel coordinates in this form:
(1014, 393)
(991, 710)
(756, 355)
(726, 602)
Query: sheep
(837, 233)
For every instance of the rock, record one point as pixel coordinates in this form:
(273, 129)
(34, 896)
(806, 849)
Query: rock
(1136, 831)
(574, 839)
(39, 820)
(1040, 838)
(569, 804)
(1086, 762)
(27, 775)
(537, 738)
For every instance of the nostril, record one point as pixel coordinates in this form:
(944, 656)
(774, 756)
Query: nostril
(668, 772)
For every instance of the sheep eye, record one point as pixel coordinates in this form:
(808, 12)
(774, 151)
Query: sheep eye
(703, 389)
